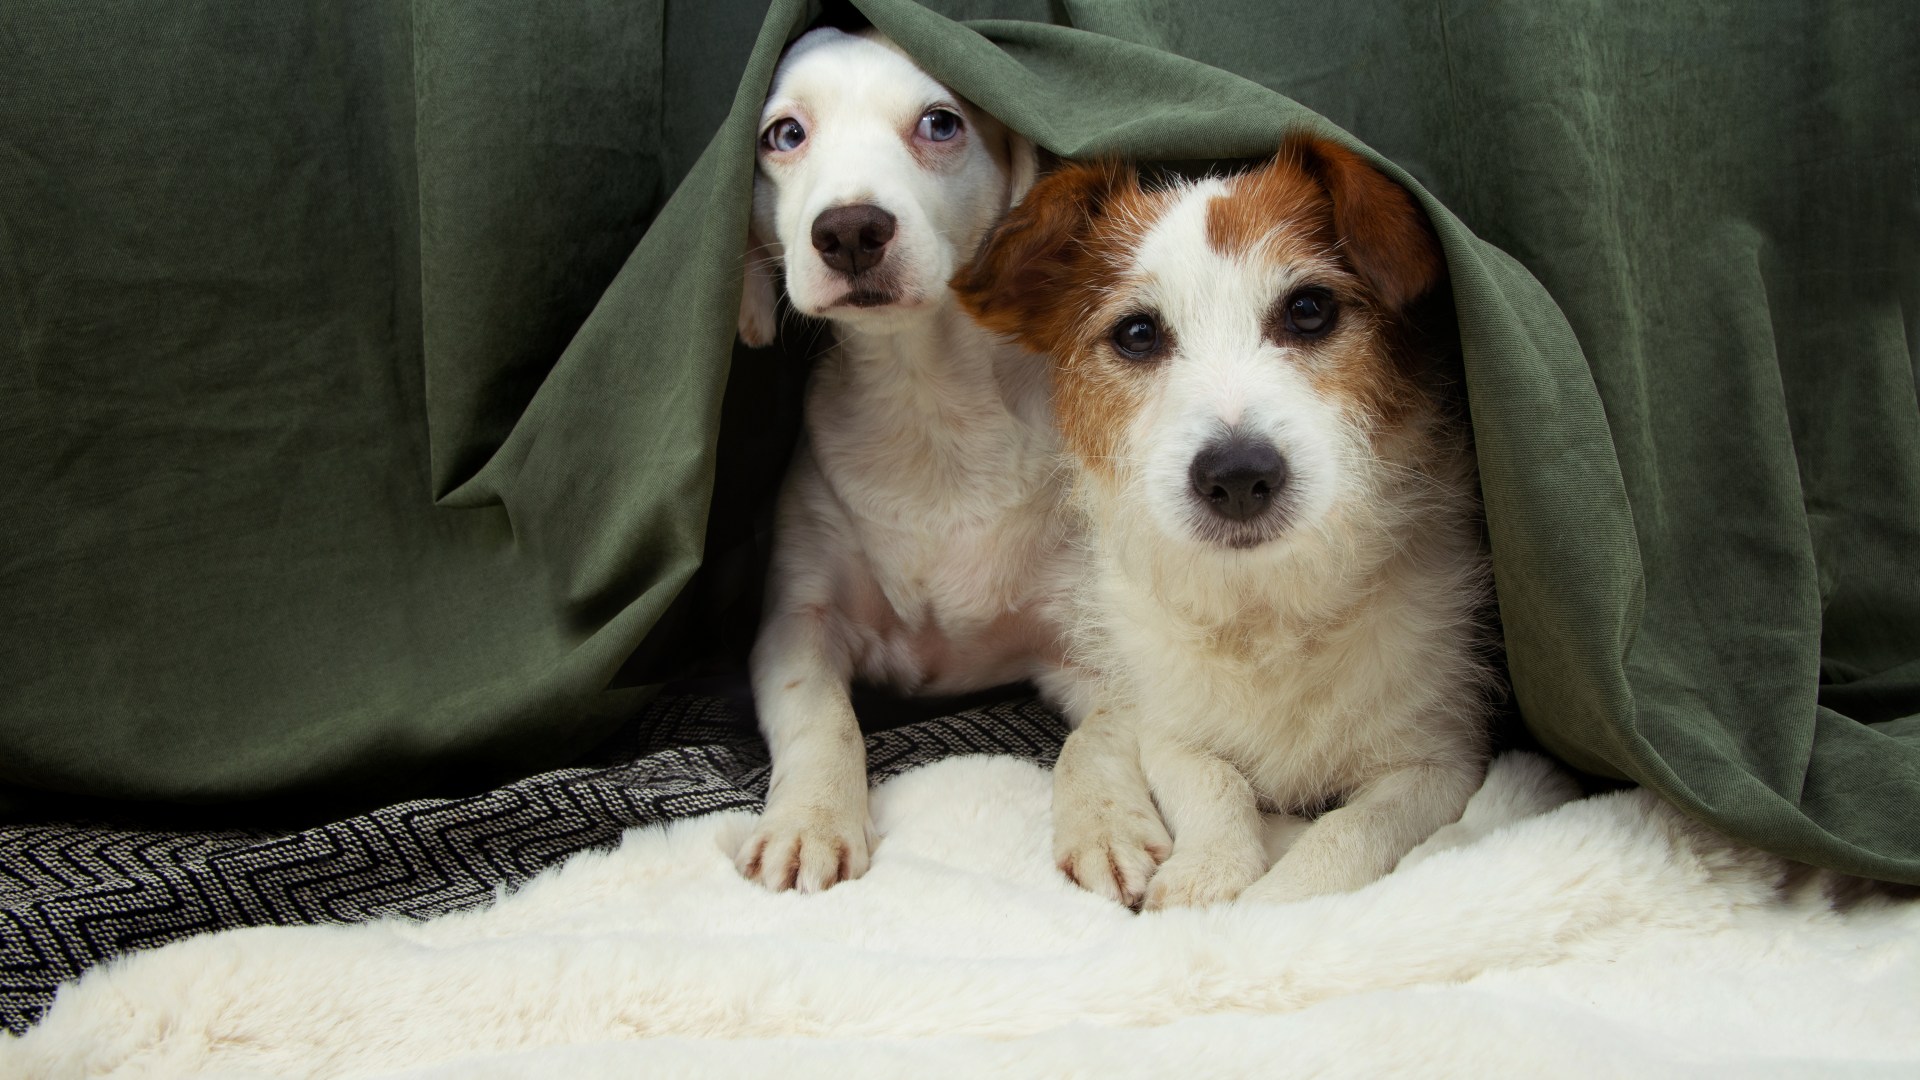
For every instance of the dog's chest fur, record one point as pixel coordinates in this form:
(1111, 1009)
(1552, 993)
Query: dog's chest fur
(1311, 685)
(938, 445)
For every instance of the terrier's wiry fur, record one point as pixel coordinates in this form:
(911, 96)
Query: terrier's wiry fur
(1285, 571)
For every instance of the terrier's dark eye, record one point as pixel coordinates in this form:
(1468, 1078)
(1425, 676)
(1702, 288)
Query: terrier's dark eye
(783, 134)
(1310, 312)
(1137, 337)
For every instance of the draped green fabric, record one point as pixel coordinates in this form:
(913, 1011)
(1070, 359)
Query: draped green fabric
(369, 418)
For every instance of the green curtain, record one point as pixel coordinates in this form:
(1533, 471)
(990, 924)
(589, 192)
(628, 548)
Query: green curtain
(369, 402)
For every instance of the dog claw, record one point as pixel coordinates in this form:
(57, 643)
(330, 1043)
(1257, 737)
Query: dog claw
(808, 856)
(1189, 881)
(1116, 866)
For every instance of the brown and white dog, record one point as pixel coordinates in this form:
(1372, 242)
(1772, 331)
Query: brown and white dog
(1285, 565)
(920, 540)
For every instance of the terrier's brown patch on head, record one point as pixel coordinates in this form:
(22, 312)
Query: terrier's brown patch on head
(1276, 212)
(1040, 278)
(1381, 231)
(1316, 203)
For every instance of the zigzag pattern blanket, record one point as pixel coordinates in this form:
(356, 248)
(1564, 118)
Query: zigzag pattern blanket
(1543, 934)
(75, 895)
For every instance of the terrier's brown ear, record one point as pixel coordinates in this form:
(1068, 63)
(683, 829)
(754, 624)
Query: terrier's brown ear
(1382, 231)
(1017, 280)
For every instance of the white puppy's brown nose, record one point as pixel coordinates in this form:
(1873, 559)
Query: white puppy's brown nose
(853, 239)
(1238, 477)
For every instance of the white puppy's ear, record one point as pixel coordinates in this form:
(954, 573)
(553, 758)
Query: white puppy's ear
(758, 292)
(1023, 166)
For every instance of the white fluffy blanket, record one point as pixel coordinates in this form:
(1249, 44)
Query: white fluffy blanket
(1539, 937)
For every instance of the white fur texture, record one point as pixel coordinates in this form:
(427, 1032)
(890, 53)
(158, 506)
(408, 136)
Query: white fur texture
(858, 100)
(1325, 648)
(1603, 937)
(919, 541)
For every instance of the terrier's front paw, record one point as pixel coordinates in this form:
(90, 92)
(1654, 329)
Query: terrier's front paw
(1113, 856)
(1200, 879)
(1285, 884)
(809, 851)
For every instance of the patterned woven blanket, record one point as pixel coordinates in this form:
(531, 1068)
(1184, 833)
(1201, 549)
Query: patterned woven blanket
(75, 895)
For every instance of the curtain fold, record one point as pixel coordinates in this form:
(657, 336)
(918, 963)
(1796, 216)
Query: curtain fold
(371, 422)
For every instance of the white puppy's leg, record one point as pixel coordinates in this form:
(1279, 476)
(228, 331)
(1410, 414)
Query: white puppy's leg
(1218, 846)
(814, 831)
(1107, 836)
(1361, 841)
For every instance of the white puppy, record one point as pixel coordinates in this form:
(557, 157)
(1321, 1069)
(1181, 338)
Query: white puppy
(919, 539)
(1286, 566)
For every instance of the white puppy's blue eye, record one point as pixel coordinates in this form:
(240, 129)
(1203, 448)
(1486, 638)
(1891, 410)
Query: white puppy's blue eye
(939, 125)
(783, 134)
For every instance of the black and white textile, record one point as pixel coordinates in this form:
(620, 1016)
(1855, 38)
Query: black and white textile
(75, 895)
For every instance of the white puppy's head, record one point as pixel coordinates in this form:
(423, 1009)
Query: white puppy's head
(874, 185)
(1227, 352)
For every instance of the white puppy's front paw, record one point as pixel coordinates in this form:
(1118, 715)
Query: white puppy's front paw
(1113, 856)
(809, 851)
(1200, 879)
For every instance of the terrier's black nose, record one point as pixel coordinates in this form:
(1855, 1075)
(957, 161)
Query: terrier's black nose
(851, 239)
(1238, 477)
